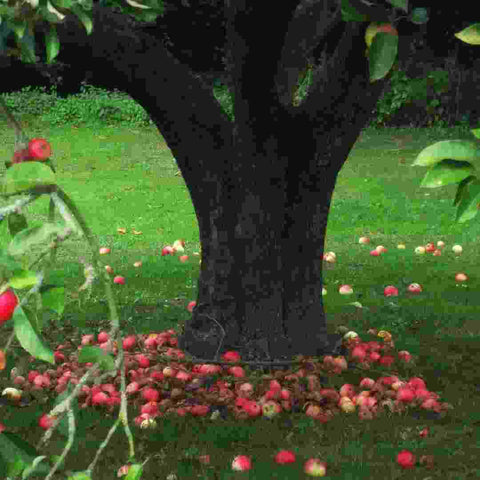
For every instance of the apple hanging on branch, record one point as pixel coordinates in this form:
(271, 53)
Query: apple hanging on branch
(375, 28)
(38, 149)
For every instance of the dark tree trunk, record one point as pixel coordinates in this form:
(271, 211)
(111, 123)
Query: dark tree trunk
(261, 187)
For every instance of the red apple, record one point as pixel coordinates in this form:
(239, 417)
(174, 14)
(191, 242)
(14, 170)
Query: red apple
(39, 149)
(8, 303)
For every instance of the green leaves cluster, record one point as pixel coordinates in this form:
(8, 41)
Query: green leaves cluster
(449, 160)
(19, 18)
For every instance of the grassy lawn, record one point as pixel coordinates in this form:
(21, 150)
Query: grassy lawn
(124, 177)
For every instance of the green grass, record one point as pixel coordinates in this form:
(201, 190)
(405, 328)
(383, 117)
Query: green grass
(123, 176)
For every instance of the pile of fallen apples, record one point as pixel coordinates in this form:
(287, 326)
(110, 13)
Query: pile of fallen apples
(161, 382)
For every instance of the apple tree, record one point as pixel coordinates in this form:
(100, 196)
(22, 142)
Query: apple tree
(261, 180)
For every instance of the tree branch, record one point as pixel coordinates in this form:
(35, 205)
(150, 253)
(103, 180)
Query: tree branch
(311, 25)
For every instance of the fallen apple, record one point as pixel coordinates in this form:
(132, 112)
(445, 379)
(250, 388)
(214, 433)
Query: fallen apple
(457, 249)
(414, 288)
(420, 250)
(315, 467)
(345, 290)
(461, 277)
(364, 240)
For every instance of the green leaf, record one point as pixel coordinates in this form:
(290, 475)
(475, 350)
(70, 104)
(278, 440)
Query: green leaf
(19, 27)
(16, 467)
(16, 223)
(476, 132)
(447, 149)
(350, 14)
(470, 34)
(52, 44)
(27, 47)
(13, 454)
(23, 279)
(96, 354)
(134, 472)
(401, 4)
(27, 175)
(382, 55)
(33, 466)
(419, 15)
(80, 476)
(84, 17)
(34, 237)
(54, 299)
(67, 4)
(469, 202)
(447, 172)
(462, 185)
(28, 338)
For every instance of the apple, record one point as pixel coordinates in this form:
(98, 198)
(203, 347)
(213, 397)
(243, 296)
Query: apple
(405, 356)
(103, 337)
(271, 408)
(381, 249)
(315, 468)
(437, 252)
(109, 269)
(345, 290)
(8, 303)
(104, 250)
(406, 459)
(457, 249)
(405, 394)
(284, 456)
(420, 250)
(191, 305)
(401, 246)
(367, 383)
(461, 277)
(350, 335)
(324, 291)
(39, 149)
(390, 291)
(374, 27)
(328, 257)
(119, 280)
(241, 463)
(168, 250)
(21, 156)
(430, 247)
(183, 258)
(179, 245)
(440, 244)
(375, 253)
(364, 240)
(414, 288)
(137, 264)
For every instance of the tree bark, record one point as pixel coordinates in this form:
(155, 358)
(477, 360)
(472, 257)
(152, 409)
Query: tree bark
(261, 187)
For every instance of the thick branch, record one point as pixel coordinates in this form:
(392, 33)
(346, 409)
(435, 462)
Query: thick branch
(312, 24)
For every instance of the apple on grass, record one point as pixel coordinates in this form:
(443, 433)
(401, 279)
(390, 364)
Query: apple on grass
(315, 467)
(241, 463)
(345, 290)
(457, 249)
(363, 240)
(414, 288)
(461, 277)
(420, 250)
